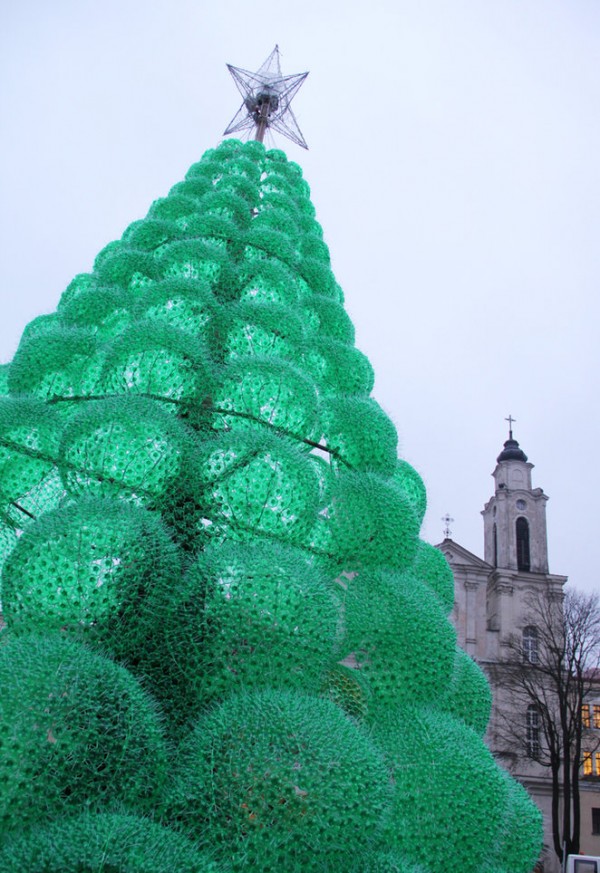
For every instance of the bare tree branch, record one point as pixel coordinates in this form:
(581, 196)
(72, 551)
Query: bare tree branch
(548, 684)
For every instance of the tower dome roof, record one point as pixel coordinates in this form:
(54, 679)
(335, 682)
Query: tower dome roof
(511, 451)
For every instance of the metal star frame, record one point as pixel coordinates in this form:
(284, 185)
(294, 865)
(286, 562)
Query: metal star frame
(267, 97)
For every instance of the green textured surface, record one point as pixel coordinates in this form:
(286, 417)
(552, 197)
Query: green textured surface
(431, 567)
(103, 311)
(519, 841)
(348, 689)
(195, 480)
(360, 434)
(29, 441)
(76, 732)
(339, 368)
(127, 447)
(4, 369)
(468, 695)
(30, 484)
(329, 318)
(257, 485)
(246, 616)
(154, 359)
(256, 393)
(85, 569)
(410, 483)
(103, 843)
(368, 523)
(257, 329)
(398, 638)
(186, 304)
(450, 795)
(60, 363)
(391, 863)
(282, 781)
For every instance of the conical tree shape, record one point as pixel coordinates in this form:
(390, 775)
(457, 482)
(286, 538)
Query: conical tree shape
(202, 503)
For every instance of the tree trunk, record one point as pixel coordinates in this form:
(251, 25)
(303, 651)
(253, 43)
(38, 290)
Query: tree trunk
(556, 809)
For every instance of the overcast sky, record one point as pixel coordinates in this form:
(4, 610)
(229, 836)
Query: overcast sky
(454, 165)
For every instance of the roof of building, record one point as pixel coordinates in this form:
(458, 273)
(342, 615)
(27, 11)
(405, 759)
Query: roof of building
(511, 451)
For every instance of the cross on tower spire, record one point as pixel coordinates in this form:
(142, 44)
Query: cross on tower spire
(447, 522)
(510, 421)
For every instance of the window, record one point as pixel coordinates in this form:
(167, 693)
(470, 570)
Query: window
(591, 764)
(533, 732)
(495, 544)
(590, 715)
(596, 819)
(585, 865)
(585, 715)
(523, 560)
(530, 644)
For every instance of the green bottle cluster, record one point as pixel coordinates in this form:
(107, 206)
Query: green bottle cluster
(226, 648)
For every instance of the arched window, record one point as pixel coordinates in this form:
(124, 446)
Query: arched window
(530, 644)
(532, 738)
(523, 560)
(495, 535)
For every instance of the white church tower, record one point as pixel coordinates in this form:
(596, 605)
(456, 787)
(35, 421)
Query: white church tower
(491, 606)
(491, 594)
(514, 519)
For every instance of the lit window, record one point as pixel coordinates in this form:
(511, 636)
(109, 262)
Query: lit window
(585, 715)
(533, 732)
(591, 763)
(530, 644)
(596, 715)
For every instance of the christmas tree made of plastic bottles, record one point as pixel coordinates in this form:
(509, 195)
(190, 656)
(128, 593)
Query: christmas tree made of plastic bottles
(226, 648)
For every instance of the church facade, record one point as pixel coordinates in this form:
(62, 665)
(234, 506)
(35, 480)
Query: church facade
(492, 609)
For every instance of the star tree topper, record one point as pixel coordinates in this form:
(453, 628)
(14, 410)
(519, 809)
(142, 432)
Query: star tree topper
(267, 97)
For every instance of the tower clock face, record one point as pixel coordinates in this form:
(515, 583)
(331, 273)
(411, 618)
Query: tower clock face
(521, 504)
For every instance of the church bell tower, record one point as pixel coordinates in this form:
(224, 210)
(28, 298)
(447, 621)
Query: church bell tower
(514, 518)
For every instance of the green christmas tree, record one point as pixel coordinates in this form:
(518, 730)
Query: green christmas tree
(226, 647)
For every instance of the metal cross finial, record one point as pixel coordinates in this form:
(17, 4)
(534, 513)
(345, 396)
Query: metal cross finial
(447, 522)
(267, 97)
(510, 421)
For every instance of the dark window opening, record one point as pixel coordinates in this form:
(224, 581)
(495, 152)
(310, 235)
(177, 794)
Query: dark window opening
(523, 560)
(495, 534)
(530, 644)
(596, 819)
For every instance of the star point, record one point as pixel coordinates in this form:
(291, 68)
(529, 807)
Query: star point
(267, 96)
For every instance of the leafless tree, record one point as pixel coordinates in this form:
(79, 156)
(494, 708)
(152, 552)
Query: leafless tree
(550, 671)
